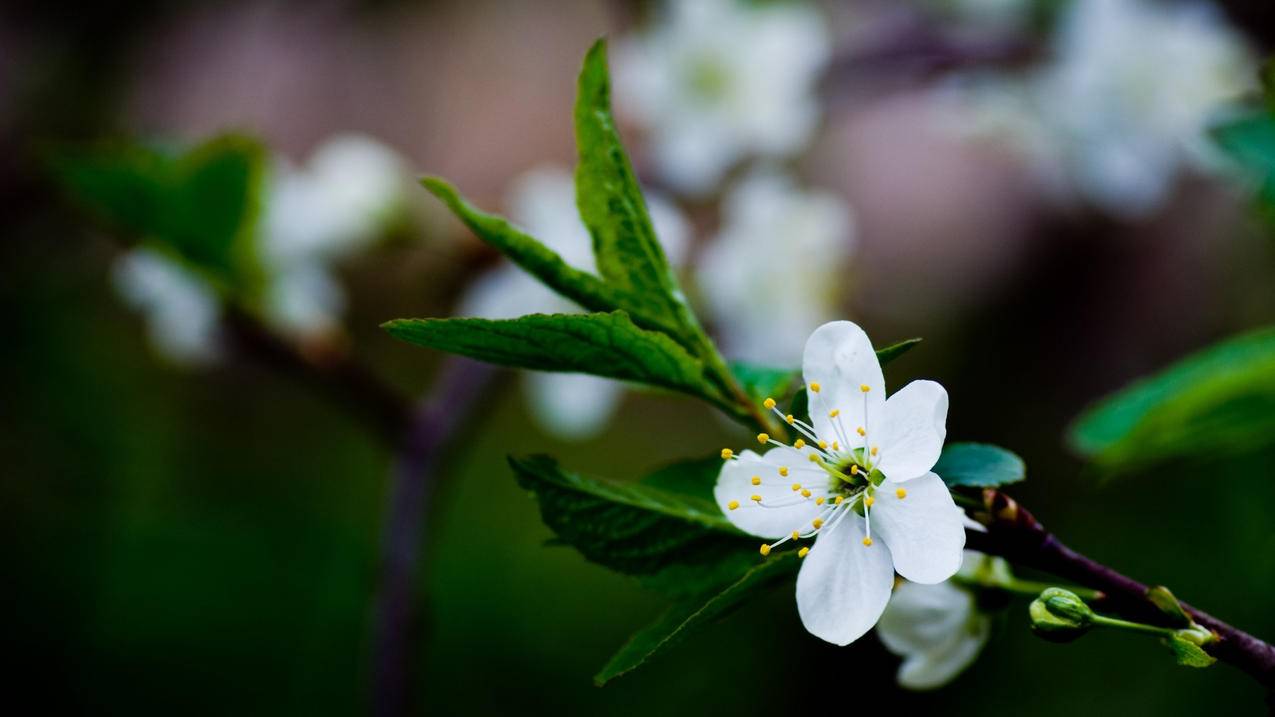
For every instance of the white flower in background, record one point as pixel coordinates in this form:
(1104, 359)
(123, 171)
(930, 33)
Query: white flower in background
(715, 81)
(336, 205)
(314, 216)
(938, 630)
(182, 310)
(861, 486)
(1122, 105)
(542, 201)
(790, 292)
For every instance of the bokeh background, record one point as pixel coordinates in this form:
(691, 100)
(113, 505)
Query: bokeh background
(208, 539)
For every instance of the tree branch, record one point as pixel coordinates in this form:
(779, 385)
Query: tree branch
(1015, 534)
(434, 421)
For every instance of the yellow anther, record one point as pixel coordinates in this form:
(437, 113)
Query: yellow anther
(820, 500)
(755, 499)
(864, 387)
(854, 469)
(765, 549)
(756, 480)
(839, 500)
(790, 419)
(869, 500)
(814, 386)
(814, 457)
(762, 438)
(817, 522)
(860, 431)
(866, 543)
(783, 471)
(799, 444)
(836, 446)
(823, 445)
(874, 450)
(802, 553)
(733, 504)
(796, 535)
(805, 492)
(769, 403)
(901, 493)
(727, 454)
(796, 487)
(834, 413)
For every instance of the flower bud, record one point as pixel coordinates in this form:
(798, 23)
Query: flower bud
(1059, 616)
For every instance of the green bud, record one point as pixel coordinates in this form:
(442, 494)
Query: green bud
(1169, 605)
(1059, 615)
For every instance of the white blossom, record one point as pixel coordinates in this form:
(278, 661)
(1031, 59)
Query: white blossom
(938, 630)
(181, 308)
(716, 81)
(790, 288)
(865, 472)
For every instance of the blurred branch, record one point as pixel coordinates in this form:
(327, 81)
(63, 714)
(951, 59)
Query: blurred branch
(434, 421)
(346, 382)
(1015, 534)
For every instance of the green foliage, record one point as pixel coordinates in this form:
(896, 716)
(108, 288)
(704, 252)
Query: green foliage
(628, 254)
(689, 614)
(674, 542)
(979, 465)
(1218, 402)
(1189, 654)
(603, 344)
(201, 203)
(762, 382)
(1250, 141)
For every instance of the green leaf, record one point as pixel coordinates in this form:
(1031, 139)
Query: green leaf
(1250, 141)
(695, 477)
(979, 465)
(762, 382)
(1217, 402)
(675, 543)
(201, 203)
(534, 257)
(687, 615)
(602, 344)
(1189, 654)
(893, 351)
(627, 251)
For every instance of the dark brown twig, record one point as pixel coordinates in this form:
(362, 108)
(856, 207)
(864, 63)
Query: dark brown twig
(1015, 534)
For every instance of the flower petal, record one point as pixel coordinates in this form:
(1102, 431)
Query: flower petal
(937, 630)
(843, 585)
(924, 529)
(912, 432)
(839, 358)
(734, 483)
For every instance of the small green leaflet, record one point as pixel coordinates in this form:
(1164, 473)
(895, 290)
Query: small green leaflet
(979, 465)
(601, 344)
(762, 382)
(201, 203)
(1216, 402)
(675, 543)
(1250, 141)
(628, 253)
(690, 614)
(1189, 654)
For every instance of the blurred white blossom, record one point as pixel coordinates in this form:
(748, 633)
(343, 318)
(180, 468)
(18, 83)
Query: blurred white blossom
(777, 269)
(181, 308)
(339, 202)
(542, 201)
(313, 216)
(716, 81)
(938, 630)
(1121, 106)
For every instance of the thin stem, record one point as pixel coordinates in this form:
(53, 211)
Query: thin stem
(1132, 626)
